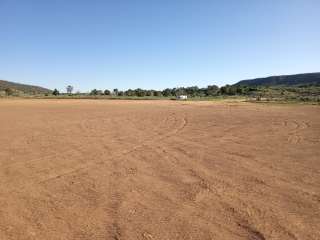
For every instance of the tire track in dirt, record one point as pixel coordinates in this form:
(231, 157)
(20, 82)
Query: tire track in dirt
(115, 229)
(86, 166)
(202, 190)
(92, 164)
(295, 127)
(180, 174)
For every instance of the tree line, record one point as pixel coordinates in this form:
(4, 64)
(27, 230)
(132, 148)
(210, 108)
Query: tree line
(194, 91)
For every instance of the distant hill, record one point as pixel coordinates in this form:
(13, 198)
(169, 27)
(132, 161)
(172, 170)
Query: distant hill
(27, 89)
(284, 80)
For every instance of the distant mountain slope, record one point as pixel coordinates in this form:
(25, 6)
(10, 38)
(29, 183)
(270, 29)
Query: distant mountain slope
(28, 89)
(284, 80)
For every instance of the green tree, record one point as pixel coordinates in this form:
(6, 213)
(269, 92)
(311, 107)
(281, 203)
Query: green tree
(157, 93)
(149, 93)
(69, 89)
(94, 92)
(129, 92)
(192, 91)
(212, 90)
(115, 91)
(166, 92)
(55, 92)
(179, 91)
(140, 92)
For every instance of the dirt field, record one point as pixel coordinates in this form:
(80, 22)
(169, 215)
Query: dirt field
(86, 169)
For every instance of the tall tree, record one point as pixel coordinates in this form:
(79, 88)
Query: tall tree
(69, 89)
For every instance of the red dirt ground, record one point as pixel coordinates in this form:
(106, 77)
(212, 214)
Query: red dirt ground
(91, 169)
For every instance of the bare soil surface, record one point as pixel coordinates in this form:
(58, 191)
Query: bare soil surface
(91, 169)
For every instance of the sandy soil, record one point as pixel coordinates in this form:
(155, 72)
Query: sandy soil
(87, 169)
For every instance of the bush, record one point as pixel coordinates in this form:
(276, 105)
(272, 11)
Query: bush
(55, 92)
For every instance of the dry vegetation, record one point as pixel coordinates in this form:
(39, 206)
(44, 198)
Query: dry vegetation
(91, 169)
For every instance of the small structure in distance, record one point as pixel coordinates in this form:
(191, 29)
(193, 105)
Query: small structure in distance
(182, 97)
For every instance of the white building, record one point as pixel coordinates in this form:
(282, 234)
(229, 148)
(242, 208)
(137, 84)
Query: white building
(182, 97)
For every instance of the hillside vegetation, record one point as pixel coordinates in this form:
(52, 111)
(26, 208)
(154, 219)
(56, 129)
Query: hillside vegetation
(284, 80)
(17, 88)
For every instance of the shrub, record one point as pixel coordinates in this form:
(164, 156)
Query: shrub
(55, 92)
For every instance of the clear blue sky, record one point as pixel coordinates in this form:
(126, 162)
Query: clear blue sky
(155, 43)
